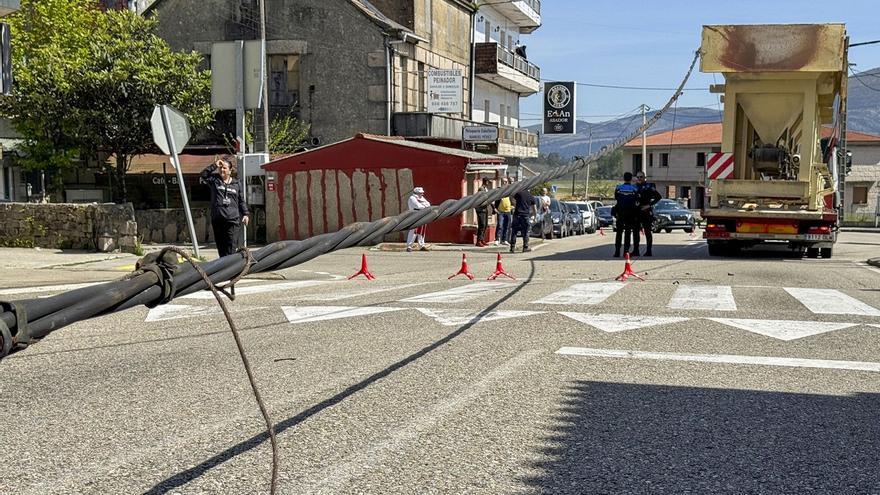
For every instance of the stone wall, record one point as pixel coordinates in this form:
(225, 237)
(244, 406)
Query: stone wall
(100, 227)
(168, 226)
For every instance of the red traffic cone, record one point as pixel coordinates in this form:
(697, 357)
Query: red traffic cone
(499, 270)
(628, 271)
(364, 270)
(464, 270)
(601, 232)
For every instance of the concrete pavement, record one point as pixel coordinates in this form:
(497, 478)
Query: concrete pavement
(416, 384)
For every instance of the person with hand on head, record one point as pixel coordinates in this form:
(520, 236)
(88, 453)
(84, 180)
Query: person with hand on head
(417, 201)
(228, 208)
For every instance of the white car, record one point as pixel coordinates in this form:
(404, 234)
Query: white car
(591, 220)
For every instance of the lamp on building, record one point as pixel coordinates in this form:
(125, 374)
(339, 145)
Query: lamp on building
(480, 19)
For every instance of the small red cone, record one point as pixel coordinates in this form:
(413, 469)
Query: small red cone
(628, 271)
(464, 270)
(364, 270)
(499, 270)
(601, 232)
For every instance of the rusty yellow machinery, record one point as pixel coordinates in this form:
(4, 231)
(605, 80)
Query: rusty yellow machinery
(775, 178)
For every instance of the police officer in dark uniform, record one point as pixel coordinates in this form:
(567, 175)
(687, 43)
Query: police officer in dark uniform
(228, 209)
(646, 197)
(626, 211)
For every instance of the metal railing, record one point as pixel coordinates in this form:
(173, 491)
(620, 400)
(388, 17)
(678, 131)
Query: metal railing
(518, 63)
(517, 136)
(534, 4)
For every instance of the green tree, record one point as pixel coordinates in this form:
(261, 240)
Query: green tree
(610, 166)
(287, 134)
(87, 82)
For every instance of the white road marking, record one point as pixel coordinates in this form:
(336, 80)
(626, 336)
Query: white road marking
(712, 297)
(178, 311)
(259, 289)
(783, 329)
(462, 293)
(306, 314)
(618, 323)
(331, 275)
(458, 317)
(831, 302)
(594, 293)
(334, 478)
(48, 288)
(347, 295)
(722, 358)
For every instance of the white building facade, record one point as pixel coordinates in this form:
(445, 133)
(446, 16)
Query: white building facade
(503, 72)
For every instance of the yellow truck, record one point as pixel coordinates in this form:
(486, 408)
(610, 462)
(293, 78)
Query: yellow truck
(775, 179)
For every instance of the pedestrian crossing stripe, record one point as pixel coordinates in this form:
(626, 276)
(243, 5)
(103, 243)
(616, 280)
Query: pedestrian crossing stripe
(259, 289)
(587, 294)
(618, 323)
(709, 297)
(783, 330)
(461, 293)
(830, 301)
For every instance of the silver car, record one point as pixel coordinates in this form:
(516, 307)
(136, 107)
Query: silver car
(591, 220)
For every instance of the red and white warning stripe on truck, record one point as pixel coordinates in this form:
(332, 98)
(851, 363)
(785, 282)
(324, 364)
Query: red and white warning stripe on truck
(720, 166)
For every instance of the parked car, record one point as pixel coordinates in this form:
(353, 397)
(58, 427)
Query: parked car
(591, 221)
(542, 226)
(596, 204)
(561, 218)
(669, 215)
(577, 219)
(603, 213)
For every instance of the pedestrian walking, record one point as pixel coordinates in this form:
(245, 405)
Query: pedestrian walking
(625, 210)
(228, 208)
(525, 206)
(646, 197)
(417, 201)
(483, 215)
(504, 208)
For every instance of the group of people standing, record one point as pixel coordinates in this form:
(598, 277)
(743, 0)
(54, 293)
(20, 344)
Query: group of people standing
(634, 213)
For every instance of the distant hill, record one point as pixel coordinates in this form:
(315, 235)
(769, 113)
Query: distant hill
(863, 115)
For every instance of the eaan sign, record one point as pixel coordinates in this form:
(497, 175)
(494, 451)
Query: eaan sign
(559, 108)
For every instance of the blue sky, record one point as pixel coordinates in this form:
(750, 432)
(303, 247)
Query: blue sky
(651, 43)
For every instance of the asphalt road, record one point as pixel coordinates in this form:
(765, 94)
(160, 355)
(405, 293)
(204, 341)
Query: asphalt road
(758, 374)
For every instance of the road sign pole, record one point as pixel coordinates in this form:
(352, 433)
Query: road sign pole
(240, 124)
(175, 161)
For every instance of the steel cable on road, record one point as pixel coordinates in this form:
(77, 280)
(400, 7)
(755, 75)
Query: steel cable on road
(25, 322)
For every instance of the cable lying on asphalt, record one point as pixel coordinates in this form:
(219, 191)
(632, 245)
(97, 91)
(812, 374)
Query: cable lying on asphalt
(25, 322)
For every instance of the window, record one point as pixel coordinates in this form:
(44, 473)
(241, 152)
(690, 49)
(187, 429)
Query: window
(650, 159)
(859, 195)
(510, 42)
(423, 77)
(664, 159)
(701, 159)
(486, 36)
(501, 116)
(502, 38)
(283, 82)
(404, 84)
(486, 111)
(637, 162)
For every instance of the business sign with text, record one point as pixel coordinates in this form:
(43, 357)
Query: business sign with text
(559, 108)
(445, 90)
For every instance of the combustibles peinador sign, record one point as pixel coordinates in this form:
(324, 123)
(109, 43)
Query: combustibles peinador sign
(559, 108)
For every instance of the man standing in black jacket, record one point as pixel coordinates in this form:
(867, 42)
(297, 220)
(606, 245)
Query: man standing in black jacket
(228, 209)
(646, 197)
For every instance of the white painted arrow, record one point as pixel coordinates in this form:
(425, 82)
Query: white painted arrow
(458, 317)
(618, 323)
(176, 311)
(305, 314)
(783, 329)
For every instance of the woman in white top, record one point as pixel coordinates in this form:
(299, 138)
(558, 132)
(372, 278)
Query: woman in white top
(417, 201)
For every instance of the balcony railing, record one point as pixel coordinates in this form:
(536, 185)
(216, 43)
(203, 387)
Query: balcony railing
(486, 61)
(517, 136)
(534, 4)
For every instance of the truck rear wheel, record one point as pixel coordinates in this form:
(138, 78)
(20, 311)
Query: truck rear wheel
(826, 252)
(812, 252)
(716, 249)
